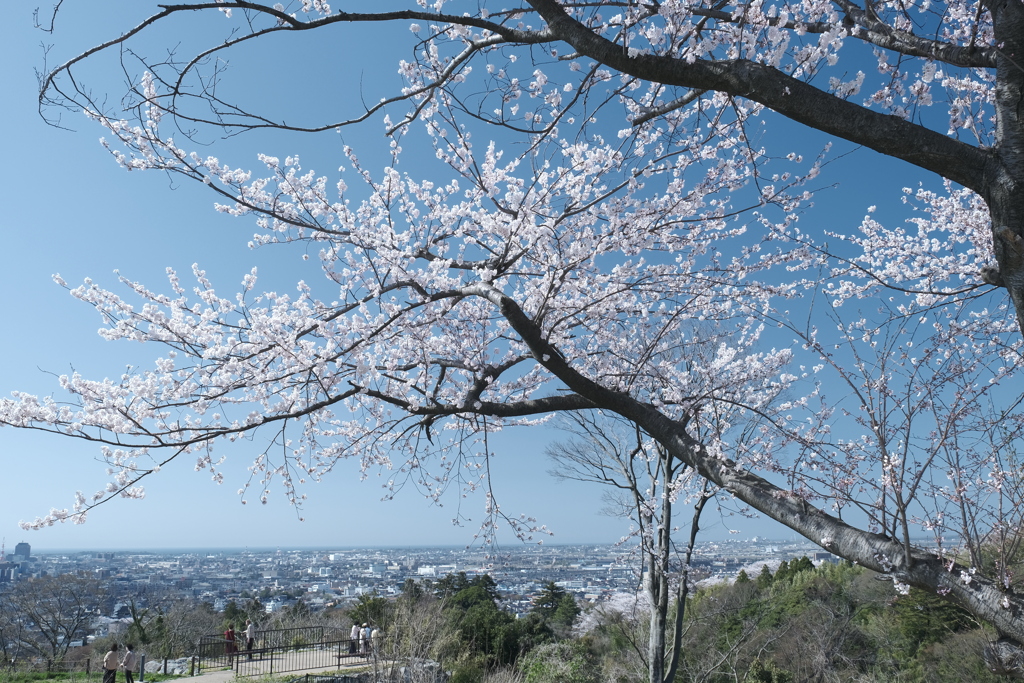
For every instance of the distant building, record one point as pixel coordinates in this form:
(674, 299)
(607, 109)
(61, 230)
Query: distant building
(22, 551)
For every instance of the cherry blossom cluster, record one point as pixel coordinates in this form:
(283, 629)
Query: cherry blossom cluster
(637, 235)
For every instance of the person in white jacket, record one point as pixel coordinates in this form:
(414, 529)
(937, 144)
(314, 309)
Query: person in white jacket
(128, 664)
(353, 639)
(110, 665)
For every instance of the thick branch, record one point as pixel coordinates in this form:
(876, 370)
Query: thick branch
(786, 95)
(979, 595)
(881, 34)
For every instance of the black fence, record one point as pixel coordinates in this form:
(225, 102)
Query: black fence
(287, 649)
(268, 661)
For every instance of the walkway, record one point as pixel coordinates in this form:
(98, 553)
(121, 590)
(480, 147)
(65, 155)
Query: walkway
(289, 662)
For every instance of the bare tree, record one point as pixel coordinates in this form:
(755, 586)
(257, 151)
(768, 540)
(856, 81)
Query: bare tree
(52, 612)
(179, 625)
(649, 485)
(418, 633)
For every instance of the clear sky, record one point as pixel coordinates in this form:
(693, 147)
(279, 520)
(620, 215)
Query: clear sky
(69, 209)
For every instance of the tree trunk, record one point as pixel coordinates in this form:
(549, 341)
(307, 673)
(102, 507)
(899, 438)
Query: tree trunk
(657, 583)
(1005, 182)
(979, 595)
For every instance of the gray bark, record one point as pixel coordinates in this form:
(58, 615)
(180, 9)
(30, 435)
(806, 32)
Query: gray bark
(979, 595)
(997, 174)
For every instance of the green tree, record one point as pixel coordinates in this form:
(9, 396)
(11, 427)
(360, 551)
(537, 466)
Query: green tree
(548, 600)
(764, 579)
(564, 662)
(144, 623)
(926, 618)
(412, 590)
(566, 613)
(370, 608)
(233, 614)
(802, 564)
(450, 584)
(254, 610)
(489, 637)
(488, 584)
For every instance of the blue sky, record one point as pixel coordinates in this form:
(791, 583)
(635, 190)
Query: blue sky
(69, 209)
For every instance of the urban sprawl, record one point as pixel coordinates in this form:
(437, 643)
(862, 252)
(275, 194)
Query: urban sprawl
(325, 578)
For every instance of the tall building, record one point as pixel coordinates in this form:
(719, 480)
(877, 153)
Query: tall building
(23, 551)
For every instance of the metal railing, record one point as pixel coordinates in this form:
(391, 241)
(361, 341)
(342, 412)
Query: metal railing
(216, 652)
(267, 661)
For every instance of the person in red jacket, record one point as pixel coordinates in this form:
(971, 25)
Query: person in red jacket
(230, 647)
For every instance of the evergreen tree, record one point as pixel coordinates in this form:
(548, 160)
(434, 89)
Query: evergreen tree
(926, 618)
(565, 615)
(450, 584)
(233, 614)
(803, 564)
(412, 590)
(370, 608)
(548, 600)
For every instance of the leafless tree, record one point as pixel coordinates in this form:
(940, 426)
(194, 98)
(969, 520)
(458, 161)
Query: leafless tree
(51, 612)
(647, 485)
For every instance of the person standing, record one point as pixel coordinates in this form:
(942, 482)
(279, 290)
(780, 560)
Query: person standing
(128, 664)
(365, 635)
(353, 639)
(229, 643)
(250, 637)
(110, 665)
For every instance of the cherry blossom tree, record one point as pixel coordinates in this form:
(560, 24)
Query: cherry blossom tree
(619, 216)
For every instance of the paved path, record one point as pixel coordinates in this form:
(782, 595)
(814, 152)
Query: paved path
(292, 663)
